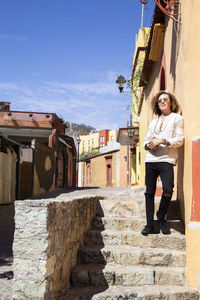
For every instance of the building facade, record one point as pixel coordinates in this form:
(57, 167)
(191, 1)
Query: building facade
(94, 142)
(102, 170)
(172, 62)
(46, 157)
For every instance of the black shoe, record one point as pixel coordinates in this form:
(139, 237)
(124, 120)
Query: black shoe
(147, 230)
(164, 226)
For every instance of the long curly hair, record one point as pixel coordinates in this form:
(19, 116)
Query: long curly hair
(174, 102)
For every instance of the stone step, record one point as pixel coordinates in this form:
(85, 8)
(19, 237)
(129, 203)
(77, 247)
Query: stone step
(132, 293)
(133, 223)
(104, 275)
(174, 241)
(131, 256)
(123, 208)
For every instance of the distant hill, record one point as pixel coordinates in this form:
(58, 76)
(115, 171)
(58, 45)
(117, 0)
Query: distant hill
(80, 129)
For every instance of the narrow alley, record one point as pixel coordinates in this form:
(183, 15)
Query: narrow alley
(100, 150)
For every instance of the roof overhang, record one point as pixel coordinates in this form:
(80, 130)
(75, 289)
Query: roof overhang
(124, 139)
(26, 134)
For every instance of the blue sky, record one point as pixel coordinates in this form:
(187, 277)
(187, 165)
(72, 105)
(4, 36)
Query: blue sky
(64, 56)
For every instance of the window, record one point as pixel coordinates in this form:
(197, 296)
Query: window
(101, 139)
(162, 80)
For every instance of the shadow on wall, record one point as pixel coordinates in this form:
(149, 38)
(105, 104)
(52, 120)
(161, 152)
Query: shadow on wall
(175, 46)
(89, 275)
(67, 224)
(7, 228)
(44, 164)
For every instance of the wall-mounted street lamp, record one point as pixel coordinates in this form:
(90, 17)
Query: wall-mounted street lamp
(121, 82)
(131, 131)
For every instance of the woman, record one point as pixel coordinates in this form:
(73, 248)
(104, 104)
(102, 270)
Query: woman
(164, 136)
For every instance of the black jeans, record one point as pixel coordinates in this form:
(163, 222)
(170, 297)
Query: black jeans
(166, 172)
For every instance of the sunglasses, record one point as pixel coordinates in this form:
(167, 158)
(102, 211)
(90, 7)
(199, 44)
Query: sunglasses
(163, 99)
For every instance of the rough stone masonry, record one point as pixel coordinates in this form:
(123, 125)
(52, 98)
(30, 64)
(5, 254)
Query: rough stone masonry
(47, 237)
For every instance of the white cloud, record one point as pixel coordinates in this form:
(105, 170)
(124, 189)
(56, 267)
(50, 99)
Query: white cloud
(12, 37)
(94, 88)
(97, 104)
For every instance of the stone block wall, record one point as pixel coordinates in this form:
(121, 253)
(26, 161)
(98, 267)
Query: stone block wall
(47, 237)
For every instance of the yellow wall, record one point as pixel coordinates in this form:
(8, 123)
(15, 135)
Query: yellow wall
(181, 46)
(87, 141)
(137, 172)
(142, 132)
(112, 135)
(187, 91)
(138, 63)
(98, 171)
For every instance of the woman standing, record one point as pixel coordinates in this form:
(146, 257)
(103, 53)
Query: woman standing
(164, 136)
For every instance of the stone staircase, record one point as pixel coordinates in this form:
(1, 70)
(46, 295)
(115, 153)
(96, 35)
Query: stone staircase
(117, 262)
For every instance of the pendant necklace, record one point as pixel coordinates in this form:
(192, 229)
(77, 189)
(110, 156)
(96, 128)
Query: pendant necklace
(160, 126)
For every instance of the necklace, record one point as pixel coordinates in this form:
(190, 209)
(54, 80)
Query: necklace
(160, 126)
(161, 123)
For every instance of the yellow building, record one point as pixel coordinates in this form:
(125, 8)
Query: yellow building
(101, 170)
(100, 165)
(172, 62)
(137, 168)
(89, 143)
(112, 135)
(92, 143)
